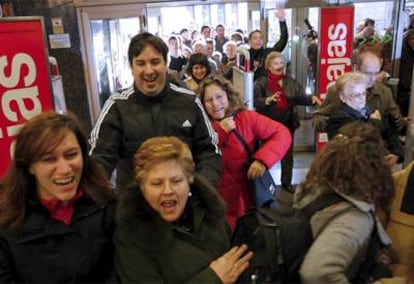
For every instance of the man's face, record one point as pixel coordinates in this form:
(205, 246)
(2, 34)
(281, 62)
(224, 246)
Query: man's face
(184, 35)
(206, 32)
(210, 49)
(220, 32)
(173, 47)
(371, 67)
(149, 70)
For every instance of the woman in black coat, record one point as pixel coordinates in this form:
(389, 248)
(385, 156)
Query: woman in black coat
(171, 224)
(56, 208)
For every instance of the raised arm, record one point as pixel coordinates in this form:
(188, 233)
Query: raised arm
(284, 35)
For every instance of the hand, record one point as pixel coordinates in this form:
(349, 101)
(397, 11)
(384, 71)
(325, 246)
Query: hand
(256, 170)
(231, 265)
(280, 14)
(391, 160)
(228, 124)
(408, 120)
(375, 115)
(316, 100)
(273, 98)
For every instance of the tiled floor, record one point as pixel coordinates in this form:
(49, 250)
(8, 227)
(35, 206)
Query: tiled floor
(302, 161)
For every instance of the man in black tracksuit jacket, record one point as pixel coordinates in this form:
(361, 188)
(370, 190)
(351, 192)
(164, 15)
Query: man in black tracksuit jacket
(153, 106)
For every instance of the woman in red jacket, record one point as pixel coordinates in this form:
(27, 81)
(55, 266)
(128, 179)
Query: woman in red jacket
(229, 115)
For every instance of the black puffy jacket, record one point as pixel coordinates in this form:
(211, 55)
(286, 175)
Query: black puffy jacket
(44, 250)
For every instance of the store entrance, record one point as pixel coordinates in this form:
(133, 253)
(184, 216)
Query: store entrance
(106, 30)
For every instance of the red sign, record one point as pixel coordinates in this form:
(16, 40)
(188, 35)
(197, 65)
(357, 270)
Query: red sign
(335, 50)
(25, 87)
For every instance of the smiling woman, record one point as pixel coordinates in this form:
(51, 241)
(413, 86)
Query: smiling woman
(56, 207)
(171, 225)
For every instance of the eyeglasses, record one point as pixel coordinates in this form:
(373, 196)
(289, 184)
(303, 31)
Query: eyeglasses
(357, 95)
(371, 74)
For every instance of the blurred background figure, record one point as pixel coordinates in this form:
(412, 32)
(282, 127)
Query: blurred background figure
(220, 38)
(175, 57)
(406, 72)
(185, 36)
(230, 59)
(258, 51)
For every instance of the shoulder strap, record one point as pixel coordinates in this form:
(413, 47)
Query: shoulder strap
(320, 203)
(240, 138)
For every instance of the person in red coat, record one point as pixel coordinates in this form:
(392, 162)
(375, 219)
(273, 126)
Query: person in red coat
(228, 114)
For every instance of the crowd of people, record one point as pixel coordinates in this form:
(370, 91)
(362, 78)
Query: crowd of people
(183, 174)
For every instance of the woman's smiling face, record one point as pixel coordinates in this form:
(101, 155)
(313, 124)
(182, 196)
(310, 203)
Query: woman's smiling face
(58, 171)
(216, 102)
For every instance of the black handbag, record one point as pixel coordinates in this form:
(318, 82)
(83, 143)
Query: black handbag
(264, 187)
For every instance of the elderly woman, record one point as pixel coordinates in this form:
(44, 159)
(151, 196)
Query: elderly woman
(231, 58)
(230, 118)
(276, 95)
(57, 212)
(351, 88)
(351, 165)
(171, 225)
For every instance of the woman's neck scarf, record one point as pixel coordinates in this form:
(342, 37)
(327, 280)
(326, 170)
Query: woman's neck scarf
(274, 86)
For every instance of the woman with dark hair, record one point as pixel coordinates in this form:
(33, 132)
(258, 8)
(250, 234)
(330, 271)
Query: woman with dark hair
(230, 118)
(258, 51)
(351, 165)
(56, 207)
(198, 68)
(171, 225)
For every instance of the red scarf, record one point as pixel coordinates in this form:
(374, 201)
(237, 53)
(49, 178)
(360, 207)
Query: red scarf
(274, 86)
(58, 210)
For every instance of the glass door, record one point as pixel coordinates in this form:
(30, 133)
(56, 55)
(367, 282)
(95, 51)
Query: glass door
(106, 32)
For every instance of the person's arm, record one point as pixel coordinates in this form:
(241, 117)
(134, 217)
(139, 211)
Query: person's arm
(393, 111)
(275, 136)
(105, 138)
(335, 249)
(393, 143)
(207, 155)
(260, 92)
(284, 35)
(321, 115)
(300, 96)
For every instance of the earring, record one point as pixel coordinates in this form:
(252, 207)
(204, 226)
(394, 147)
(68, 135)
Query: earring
(189, 193)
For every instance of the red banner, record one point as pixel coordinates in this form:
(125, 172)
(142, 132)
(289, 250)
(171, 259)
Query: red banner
(25, 86)
(335, 50)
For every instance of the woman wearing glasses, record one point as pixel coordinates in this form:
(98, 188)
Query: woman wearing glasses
(352, 88)
(352, 92)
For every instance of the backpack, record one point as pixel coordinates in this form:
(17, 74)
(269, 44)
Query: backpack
(280, 238)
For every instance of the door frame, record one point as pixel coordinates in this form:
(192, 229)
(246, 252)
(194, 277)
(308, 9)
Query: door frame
(85, 15)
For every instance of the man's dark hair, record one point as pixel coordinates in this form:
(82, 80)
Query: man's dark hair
(369, 22)
(205, 27)
(142, 40)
